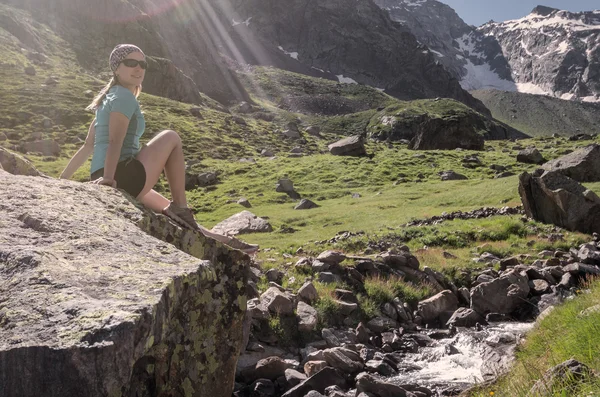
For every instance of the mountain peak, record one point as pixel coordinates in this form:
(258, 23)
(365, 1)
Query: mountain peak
(543, 10)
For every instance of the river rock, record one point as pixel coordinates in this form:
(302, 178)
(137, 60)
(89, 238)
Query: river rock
(433, 307)
(367, 383)
(294, 377)
(502, 295)
(381, 324)
(539, 287)
(343, 359)
(114, 295)
(351, 146)
(581, 269)
(267, 368)
(241, 223)
(582, 165)
(319, 381)
(551, 197)
(464, 317)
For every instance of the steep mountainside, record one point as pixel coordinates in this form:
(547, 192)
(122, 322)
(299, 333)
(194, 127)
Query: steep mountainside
(541, 115)
(356, 44)
(549, 52)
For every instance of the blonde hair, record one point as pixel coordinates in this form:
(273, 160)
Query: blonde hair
(102, 94)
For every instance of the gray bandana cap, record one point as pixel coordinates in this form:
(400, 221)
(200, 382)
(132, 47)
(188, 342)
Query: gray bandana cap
(120, 52)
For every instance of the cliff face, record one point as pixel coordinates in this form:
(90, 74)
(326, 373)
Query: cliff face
(102, 298)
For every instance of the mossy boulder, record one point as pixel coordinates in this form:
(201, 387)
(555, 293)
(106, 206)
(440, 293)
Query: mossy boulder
(100, 297)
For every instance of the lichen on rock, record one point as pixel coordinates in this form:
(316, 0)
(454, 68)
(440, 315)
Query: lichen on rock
(101, 297)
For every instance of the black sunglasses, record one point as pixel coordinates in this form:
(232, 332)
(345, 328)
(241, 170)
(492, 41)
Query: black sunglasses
(132, 63)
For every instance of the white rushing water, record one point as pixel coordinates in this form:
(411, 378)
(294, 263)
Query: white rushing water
(459, 360)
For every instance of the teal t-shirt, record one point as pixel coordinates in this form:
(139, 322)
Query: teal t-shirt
(118, 99)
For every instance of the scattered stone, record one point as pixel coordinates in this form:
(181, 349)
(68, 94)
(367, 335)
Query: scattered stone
(328, 277)
(267, 368)
(331, 257)
(47, 147)
(539, 287)
(30, 71)
(277, 302)
(294, 377)
(530, 156)
(451, 176)
(308, 292)
(294, 134)
(16, 164)
(351, 146)
(307, 317)
(274, 275)
(305, 204)
(313, 130)
(284, 186)
(320, 380)
(343, 359)
(267, 153)
(244, 202)
(241, 223)
(381, 324)
(312, 367)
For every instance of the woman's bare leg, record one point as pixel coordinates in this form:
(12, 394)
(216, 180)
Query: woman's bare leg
(154, 200)
(165, 151)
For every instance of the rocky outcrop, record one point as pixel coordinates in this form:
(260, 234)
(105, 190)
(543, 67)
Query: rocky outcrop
(447, 134)
(107, 298)
(552, 197)
(502, 295)
(165, 79)
(582, 165)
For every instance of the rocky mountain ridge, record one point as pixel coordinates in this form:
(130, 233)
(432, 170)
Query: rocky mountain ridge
(549, 52)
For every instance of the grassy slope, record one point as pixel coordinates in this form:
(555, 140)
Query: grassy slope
(538, 115)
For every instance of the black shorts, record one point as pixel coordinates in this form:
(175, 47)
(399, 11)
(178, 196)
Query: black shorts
(130, 176)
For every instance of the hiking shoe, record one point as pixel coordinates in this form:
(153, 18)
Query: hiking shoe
(183, 216)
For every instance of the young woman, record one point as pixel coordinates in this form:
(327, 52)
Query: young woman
(119, 161)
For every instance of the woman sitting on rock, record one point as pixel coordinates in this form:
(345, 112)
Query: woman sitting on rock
(118, 160)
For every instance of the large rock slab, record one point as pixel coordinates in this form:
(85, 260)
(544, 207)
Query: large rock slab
(95, 302)
(243, 222)
(447, 134)
(582, 165)
(351, 146)
(552, 197)
(502, 295)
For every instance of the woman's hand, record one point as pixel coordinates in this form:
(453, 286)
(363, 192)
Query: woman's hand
(105, 181)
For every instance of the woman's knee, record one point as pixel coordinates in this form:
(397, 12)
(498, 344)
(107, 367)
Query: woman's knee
(170, 136)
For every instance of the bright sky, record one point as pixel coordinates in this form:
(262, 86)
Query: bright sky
(478, 12)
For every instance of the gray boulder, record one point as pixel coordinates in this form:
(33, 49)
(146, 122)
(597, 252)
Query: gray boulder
(351, 146)
(97, 293)
(433, 307)
(47, 147)
(552, 197)
(502, 295)
(307, 317)
(305, 204)
(530, 156)
(564, 376)
(451, 176)
(16, 164)
(343, 359)
(326, 377)
(367, 383)
(582, 165)
(241, 223)
(277, 301)
(464, 317)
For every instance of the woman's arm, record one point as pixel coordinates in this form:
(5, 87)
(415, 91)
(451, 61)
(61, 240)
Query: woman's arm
(117, 129)
(82, 154)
